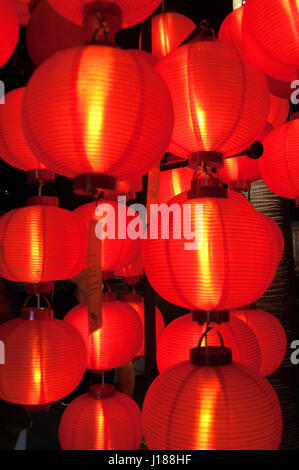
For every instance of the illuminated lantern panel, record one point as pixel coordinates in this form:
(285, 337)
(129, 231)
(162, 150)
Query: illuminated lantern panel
(226, 407)
(9, 29)
(112, 100)
(183, 334)
(48, 32)
(226, 119)
(117, 342)
(169, 30)
(279, 110)
(40, 244)
(224, 265)
(133, 11)
(271, 37)
(173, 182)
(279, 163)
(23, 11)
(240, 171)
(14, 149)
(101, 420)
(231, 29)
(44, 361)
(119, 249)
(270, 335)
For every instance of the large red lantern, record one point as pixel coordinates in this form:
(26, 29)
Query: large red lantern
(223, 118)
(41, 243)
(119, 249)
(211, 407)
(225, 264)
(117, 342)
(271, 37)
(183, 334)
(45, 358)
(270, 335)
(9, 29)
(102, 419)
(174, 182)
(113, 102)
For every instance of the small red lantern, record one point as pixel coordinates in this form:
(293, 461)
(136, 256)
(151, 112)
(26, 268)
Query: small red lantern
(270, 335)
(102, 419)
(117, 342)
(45, 358)
(131, 273)
(183, 334)
(174, 182)
(9, 29)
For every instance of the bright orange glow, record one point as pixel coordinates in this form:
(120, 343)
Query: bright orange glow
(36, 371)
(36, 247)
(206, 415)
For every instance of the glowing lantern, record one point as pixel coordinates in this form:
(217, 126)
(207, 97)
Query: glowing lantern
(131, 273)
(271, 37)
(102, 419)
(224, 119)
(174, 182)
(113, 102)
(137, 303)
(118, 249)
(279, 110)
(225, 264)
(231, 29)
(49, 32)
(238, 172)
(132, 11)
(9, 29)
(119, 339)
(129, 185)
(40, 243)
(270, 335)
(211, 407)
(183, 334)
(279, 162)
(45, 358)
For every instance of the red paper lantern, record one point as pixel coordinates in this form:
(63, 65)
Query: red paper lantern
(9, 29)
(223, 118)
(133, 11)
(183, 334)
(45, 359)
(231, 265)
(117, 342)
(131, 273)
(113, 102)
(102, 419)
(174, 182)
(279, 163)
(48, 32)
(239, 172)
(270, 335)
(14, 149)
(40, 244)
(227, 407)
(279, 110)
(116, 252)
(271, 37)
(129, 185)
(231, 29)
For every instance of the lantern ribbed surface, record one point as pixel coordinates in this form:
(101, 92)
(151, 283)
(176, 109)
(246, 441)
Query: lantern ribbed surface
(9, 29)
(183, 334)
(270, 335)
(239, 169)
(230, 266)
(132, 270)
(117, 342)
(225, 120)
(106, 110)
(271, 37)
(14, 149)
(44, 361)
(101, 424)
(116, 252)
(174, 182)
(227, 407)
(279, 163)
(231, 29)
(40, 244)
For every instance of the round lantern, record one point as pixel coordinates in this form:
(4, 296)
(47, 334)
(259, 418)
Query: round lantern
(118, 249)
(131, 273)
(45, 359)
(113, 102)
(48, 32)
(102, 419)
(270, 335)
(117, 342)
(231, 29)
(183, 334)
(174, 182)
(137, 303)
(9, 29)
(239, 172)
(132, 11)
(212, 261)
(278, 111)
(223, 118)
(279, 163)
(224, 407)
(40, 244)
(271, 37)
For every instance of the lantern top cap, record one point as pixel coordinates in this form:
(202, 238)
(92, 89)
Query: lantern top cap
(100, 392)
